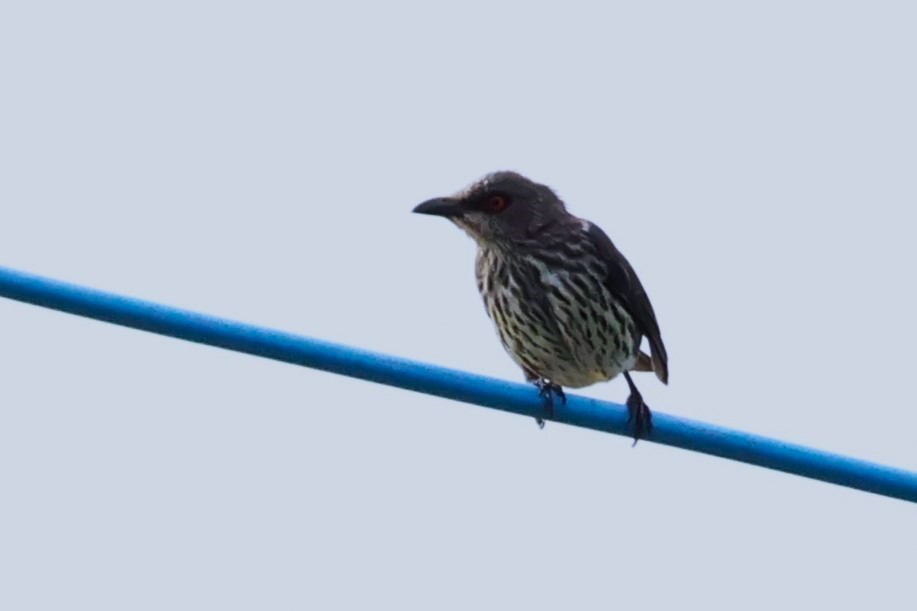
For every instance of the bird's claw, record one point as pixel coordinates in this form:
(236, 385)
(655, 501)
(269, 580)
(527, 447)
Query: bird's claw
(638, 412)
(548, 391)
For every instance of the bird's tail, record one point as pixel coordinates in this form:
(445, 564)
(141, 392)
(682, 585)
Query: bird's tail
(647, 363)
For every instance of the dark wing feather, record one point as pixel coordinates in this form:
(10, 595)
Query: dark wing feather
(622, 282)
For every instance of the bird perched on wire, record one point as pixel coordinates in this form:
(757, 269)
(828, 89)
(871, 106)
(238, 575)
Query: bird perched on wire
(567, 305)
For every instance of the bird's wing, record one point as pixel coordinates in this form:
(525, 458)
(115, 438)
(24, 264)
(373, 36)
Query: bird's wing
(623, 284)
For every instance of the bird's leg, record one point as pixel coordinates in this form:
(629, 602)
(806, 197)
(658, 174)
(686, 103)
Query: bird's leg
(638, 412)
(548, 390)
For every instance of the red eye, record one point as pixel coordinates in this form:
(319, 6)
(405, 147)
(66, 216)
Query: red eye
(497, 203)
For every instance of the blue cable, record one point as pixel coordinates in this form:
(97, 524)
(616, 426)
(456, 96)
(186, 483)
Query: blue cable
(452, 384)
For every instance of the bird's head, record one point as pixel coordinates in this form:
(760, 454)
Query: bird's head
(502, 208)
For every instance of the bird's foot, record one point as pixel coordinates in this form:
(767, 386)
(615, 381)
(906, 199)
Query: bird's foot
(549, 391)
(640, 415)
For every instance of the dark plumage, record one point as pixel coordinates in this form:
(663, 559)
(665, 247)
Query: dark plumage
(567, 305)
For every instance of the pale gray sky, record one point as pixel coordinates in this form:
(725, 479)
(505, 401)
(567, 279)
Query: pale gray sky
(754, 161)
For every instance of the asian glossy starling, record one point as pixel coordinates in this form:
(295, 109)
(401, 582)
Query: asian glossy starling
(568, 307)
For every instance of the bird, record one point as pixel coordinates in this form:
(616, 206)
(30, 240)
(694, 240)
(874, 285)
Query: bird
(566, 304)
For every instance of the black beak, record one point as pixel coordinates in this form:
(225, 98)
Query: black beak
(441, 206)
